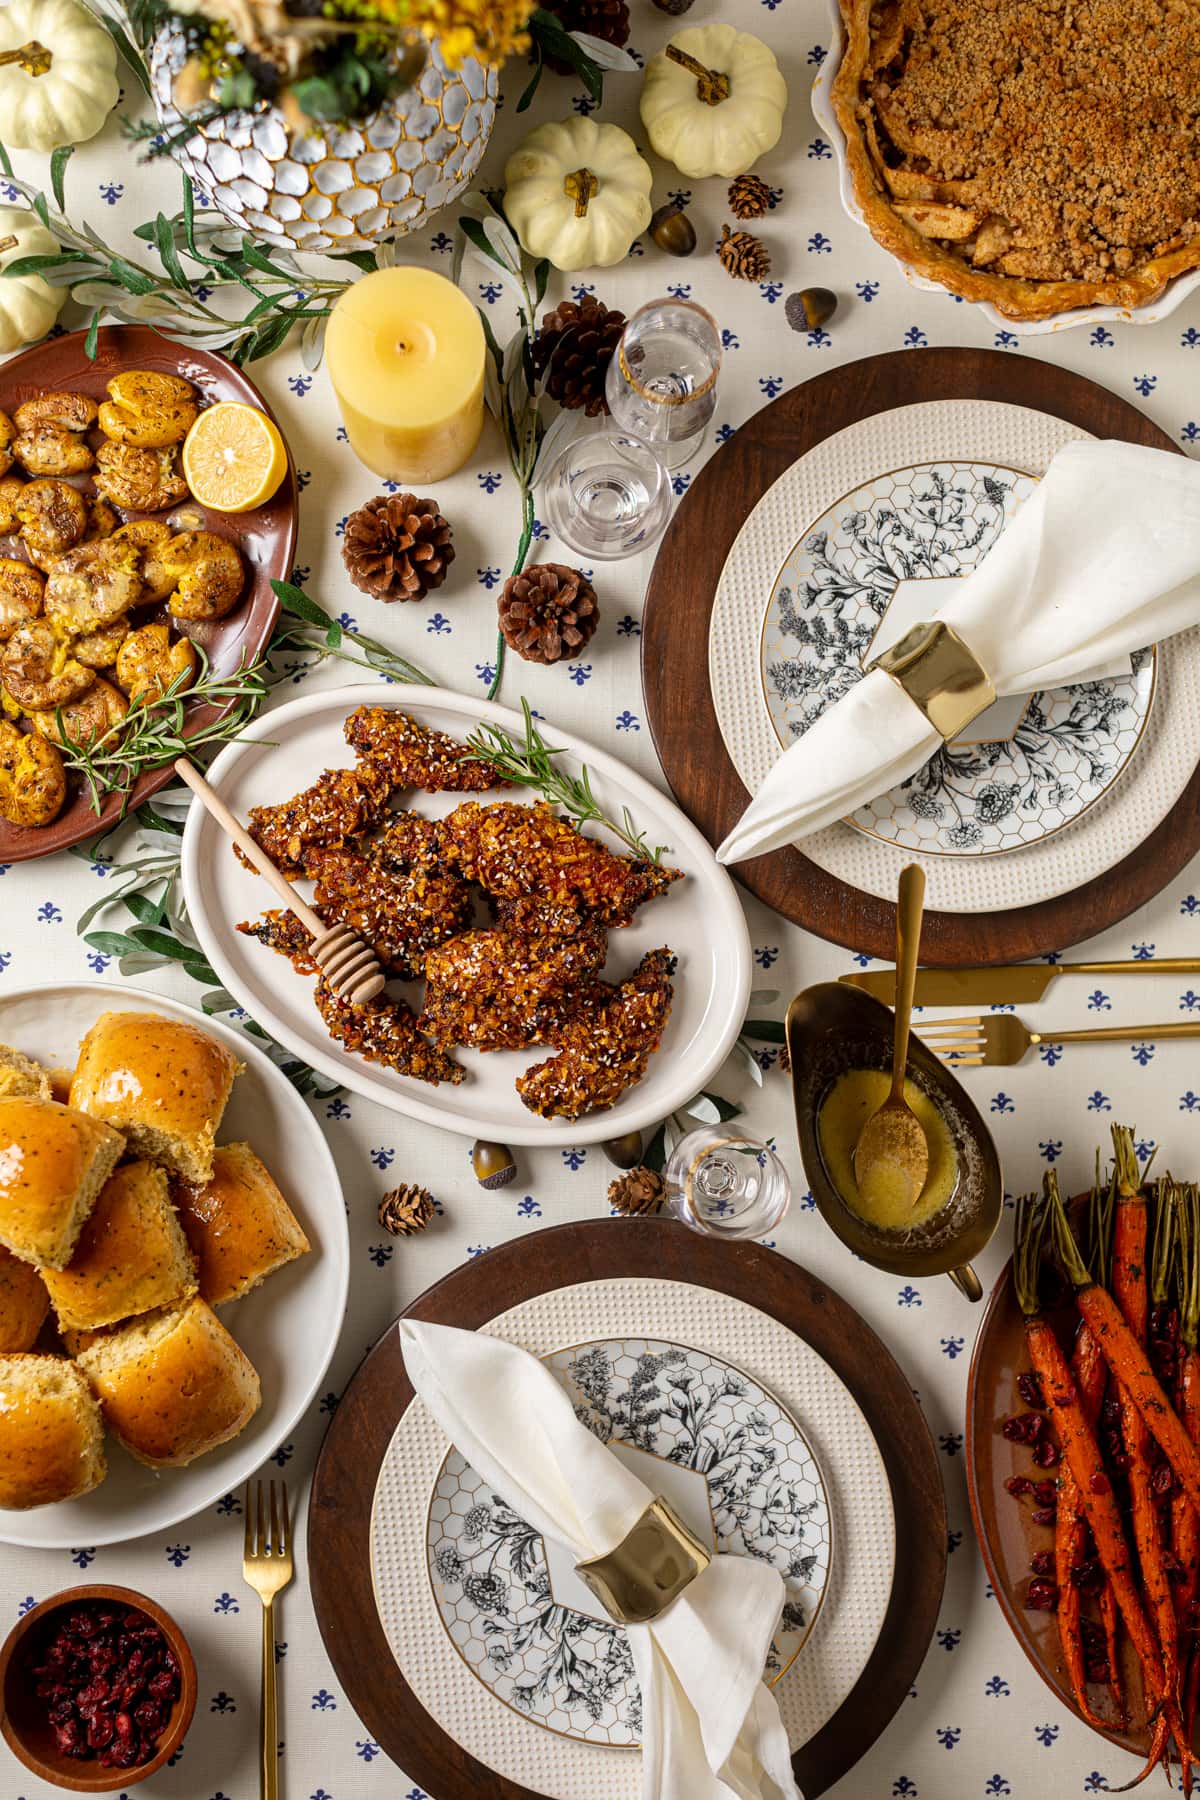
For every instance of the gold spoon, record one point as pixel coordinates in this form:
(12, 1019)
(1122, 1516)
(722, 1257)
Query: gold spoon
(892, 1153)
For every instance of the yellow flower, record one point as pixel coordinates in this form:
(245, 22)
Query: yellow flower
(491, 30)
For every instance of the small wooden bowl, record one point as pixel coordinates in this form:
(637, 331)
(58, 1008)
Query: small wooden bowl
(23, 1721)
(832, 1028)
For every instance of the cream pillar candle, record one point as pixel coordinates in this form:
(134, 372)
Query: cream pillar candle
(405, 353)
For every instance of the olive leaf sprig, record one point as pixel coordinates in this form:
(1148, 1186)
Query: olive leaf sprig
(532, 764)
(510, 387)
(588, 56)
(309, 634)
(275, 295)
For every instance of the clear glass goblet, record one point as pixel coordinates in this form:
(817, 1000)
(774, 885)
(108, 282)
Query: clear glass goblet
(661, 383)
(607, 495)
(726, 1184)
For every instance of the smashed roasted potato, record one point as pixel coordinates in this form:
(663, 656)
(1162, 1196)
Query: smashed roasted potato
(99, 649)
(7, 434)
(93, 584)
(20, 595)
(33, 782)
(85, 719)
(207, 571)
(64, 411)
(38, 670)
(150, 536)
(50, 450)
(147, 409)
(11, 489)
(148, 662)
(53, 518)
(140, 480)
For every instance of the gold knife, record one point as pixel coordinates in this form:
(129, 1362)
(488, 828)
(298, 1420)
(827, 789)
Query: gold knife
(1014, 984)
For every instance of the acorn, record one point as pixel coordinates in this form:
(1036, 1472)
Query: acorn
(493, 1164)
(676, 8)
(624, 1152)
(672, 230)
(810, 308)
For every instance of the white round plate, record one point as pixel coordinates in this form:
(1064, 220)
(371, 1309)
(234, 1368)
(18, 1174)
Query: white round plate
(700, 918)
(1017, 774)
(927, 434)
(863, 1528)
(288, 1327)
(721, 1449)
(1172, 296)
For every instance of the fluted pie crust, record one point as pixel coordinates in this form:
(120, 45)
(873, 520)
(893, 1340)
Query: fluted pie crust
(1039, 154)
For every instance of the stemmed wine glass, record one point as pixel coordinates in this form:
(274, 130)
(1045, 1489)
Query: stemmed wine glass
(726, 1184)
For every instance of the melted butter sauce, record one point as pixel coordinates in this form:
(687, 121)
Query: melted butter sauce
(850, 1102)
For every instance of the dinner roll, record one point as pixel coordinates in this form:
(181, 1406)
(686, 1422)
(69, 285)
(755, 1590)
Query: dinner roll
(51, 1435)
(20, 1075)
(173, 1384)
(24, 1303)
(53, 1163)
(161, 1081)
(131, 1256)
(239, 1225)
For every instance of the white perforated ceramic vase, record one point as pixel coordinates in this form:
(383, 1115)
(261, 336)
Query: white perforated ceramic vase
(341, 187)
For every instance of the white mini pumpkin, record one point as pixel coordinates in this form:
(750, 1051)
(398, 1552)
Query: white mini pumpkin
(63, 85)
(578, 193)
(28, 305)
(713, 101)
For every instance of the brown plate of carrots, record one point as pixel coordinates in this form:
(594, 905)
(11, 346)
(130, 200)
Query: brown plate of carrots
(1083, 1451)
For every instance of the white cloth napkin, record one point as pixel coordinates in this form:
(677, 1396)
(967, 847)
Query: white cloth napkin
(1103, 559)
(711, 1729)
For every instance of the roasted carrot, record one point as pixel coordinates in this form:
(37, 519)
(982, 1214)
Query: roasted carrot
(1185, 1518)
(1130, 1291)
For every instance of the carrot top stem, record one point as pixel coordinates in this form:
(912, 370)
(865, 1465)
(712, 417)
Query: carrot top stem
(1029, 1233)
(1187, 1263)
(1063, 1238)
(1166, 1240)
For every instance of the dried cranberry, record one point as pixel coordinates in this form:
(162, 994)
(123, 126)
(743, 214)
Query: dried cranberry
(1017, 1485)
(1043, 1563)
(1099, 1483)
(1088, 1576)
(109, 1680)
(1162, 1481)
(1045, 1515)
(1029, 1386)
(1046, 1453)
(1045, 1493)
(99, 1732)
(1042, 1596)
(162, 1686)
(1024, 1428)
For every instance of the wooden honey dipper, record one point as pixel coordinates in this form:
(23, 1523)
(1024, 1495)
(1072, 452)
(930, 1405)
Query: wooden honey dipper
(349, 966)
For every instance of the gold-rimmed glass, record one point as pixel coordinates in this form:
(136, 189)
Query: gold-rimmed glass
(661, 384)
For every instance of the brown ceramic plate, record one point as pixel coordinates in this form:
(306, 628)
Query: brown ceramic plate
(1007, 1535)
(266, 537)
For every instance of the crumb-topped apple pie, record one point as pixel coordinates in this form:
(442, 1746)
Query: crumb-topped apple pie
(1040, 154)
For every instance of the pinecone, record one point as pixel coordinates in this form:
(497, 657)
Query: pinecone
(548, 612)
(642, 1191)
(397, 547)
(743, 255)
(604, 19)
(573, 349)
(406, 1210)
(749, 197)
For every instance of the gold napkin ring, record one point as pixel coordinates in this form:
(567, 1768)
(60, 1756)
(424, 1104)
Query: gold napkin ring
(940, 674)
(650, 1567)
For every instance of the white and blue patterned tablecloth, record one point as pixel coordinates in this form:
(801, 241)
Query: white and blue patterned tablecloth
(979, 1721)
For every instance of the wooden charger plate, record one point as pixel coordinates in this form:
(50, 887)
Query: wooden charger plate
(339, 1519)
(265, 536)
(679, 603)
(1007, 1535)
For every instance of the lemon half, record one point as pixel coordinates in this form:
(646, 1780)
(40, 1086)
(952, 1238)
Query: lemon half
(233, 457)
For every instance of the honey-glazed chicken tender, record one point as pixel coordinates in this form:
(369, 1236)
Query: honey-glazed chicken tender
(50, 450)
(20, 595)
(99, 649)
(208, 572)
(148, 662)
(64, 411)
(37, 672)
(8, 432)
(605, 1047)
(140, 480)
(147, 409)
(52, 516)
(83, 720)
(92, 585)
(33, 782)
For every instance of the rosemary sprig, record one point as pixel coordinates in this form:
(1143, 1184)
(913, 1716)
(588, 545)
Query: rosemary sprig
(532, 765)
(310, 633)
(155, 730)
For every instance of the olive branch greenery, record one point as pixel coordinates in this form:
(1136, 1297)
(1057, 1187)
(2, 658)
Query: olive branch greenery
(510, 387)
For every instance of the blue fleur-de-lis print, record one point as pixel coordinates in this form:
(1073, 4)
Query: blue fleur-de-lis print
(442, 242)
(1098, 1102)
(48, 913)
(579, 673)
(908, 1296)
(770, 291)
(528, 1208)
(1190, 904)
(904, 1788)
(1189, 1002)
(487, 578)
(280, 1649)
(680, 290)
(1102, 338)
(1190, 432)
(1003, 1103)
(867, 290)
(177, 1554)
(729, 339)
(771, 385)
(680, 483)
(225, 1603)
(1144, 1148)
(817, 55)
(1051, 1149)
(1190, 338)
(323, 1701)
(952, 1347)
(1050, 1054)
(574, 1159)
(490, 480)
(328, 1404)
(949, 1735)
(996, 1784)
(1006, 340)
(723, 433)
(367, 1748)
(83, 1559)
(222, 1703)
(383, 1158)
(338, 1109)
(818, 338)
(1045, 1734)
(628, 721)
(1143, 952)
(1189, 1102)
(490, 291)
(951, 1442)
(439, 625)
(380, 1254)
(950, 1638)
(228, 1503)
(283, 1455)
(1142, 1053)
(486, 672)
(628, 626)
(478, 1249)
(1095, 1783)
(819, 244)
(111, 191)
(766, 954)
(1145, 384)
(539, 531)
(996, 1687)
(97, 961)
(914, 338)
(953, 1540)
(300, 384)
(25, 1605)
(416, 1794)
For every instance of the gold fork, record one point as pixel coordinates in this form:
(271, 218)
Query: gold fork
(267, 1568)
(996, 1040)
